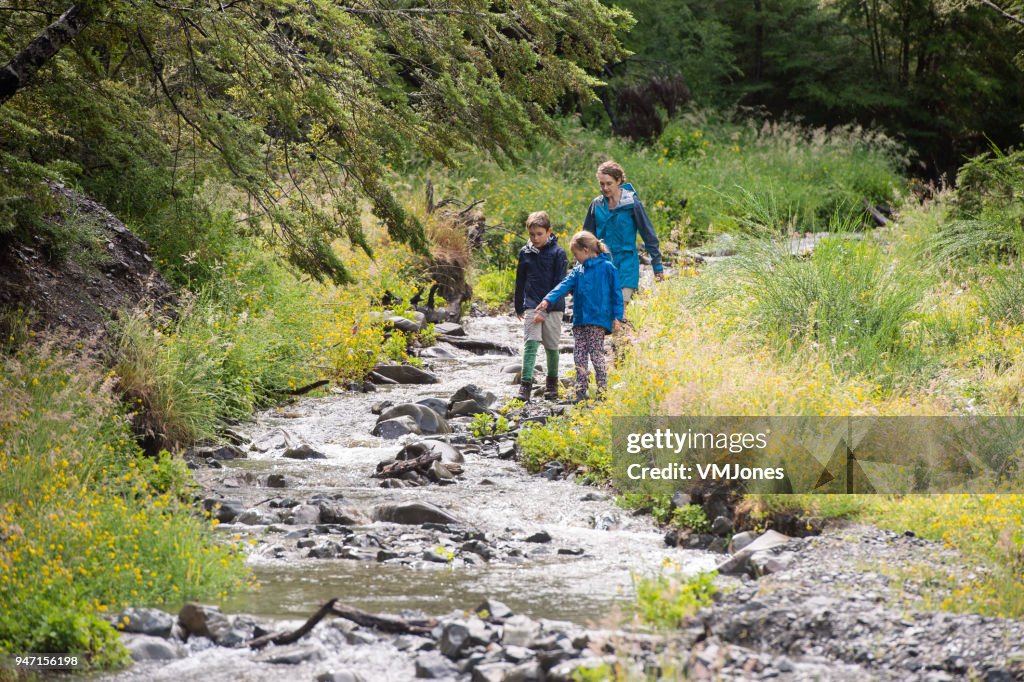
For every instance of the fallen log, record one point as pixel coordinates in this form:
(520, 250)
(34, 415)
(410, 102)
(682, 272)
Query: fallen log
(390, 624)
(281, 638)
(398, 468)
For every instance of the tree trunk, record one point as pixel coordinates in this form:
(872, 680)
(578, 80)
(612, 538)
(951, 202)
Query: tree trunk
(17, 72)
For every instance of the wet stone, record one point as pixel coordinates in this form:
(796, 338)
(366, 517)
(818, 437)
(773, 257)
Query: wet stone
(434, 666)
(304, 451)
(144, 621)
(291, 655)
(150, 648)
(340, 676)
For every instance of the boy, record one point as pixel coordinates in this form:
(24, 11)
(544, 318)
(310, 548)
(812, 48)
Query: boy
(542, 265)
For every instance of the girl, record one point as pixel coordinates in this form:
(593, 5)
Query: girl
(597, 308)
(616, 217)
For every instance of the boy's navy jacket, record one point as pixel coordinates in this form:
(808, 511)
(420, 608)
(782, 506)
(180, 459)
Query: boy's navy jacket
(618, 228)
(538, 272)
(596, 295)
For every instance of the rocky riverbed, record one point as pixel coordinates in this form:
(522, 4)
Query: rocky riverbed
(489, 573)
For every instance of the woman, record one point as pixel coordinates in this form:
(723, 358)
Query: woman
(615, 218)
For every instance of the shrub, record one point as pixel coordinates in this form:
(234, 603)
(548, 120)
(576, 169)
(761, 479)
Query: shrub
(668, 599)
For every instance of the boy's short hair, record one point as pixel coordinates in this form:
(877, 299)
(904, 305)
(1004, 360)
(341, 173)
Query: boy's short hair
(538, 219)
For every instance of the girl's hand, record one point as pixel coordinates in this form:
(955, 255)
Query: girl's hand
(616, 326)
(543, 305)
(539, 317)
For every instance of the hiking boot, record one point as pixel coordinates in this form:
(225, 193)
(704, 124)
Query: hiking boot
(551, 388)
(581, 396)
(525, 390)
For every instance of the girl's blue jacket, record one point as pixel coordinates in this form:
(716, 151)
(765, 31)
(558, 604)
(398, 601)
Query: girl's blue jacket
(596, 293)
(618, 228)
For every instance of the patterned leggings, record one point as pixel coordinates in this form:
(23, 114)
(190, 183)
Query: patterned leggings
(589, 343)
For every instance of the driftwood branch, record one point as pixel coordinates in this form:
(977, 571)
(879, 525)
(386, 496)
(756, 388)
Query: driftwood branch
(24, 65)
(400, 467)
(391, 624)
(304, 389)
(281, 638)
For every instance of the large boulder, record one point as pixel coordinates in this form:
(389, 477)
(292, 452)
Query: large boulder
(412, 513)
(449, 329)
(396, 428)
(405, 374)
(426, 418)
(483, 399)
(449, 455)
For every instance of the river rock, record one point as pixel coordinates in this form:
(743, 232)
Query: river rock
(203, 621)
(465, 408)
(449, 454)
(218, 452)
(405, 374)
(527, 671)
(434, 666)
(483, 399)
(441, 471)
(436, 404)
(225, 511)
(396, 428)
(403, 324)
(721, 526)
(454, 639)
(340, 676)
(494, 609)
(304, 451)
(345, 516)
(426, 419)
(413, 513)
(436, 353)
(449, 329)
(379, 407)
(279, 481)
(519, 631)
(741, 540)
(151, 648)
(152, 622)
(304, 515)
(739, 562)
(291, 655)
(478, 346)
(258, 517)
(491, 672)
(539, 536)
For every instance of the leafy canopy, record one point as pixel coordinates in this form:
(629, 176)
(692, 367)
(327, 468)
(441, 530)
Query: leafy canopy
(302, 106)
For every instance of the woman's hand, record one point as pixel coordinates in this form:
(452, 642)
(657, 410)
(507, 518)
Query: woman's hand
(660, 276)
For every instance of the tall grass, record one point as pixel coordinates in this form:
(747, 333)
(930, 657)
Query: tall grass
(703, 158)
(88, 525)
(849, 302)
(247, 339)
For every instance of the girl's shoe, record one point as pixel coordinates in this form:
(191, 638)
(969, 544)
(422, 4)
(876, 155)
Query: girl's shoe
(551, 388)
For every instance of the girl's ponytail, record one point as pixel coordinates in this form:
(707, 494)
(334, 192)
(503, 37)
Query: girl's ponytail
(587, 240)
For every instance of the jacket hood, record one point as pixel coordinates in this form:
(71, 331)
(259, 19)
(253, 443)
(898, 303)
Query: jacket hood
(552, 241)
(591, 262)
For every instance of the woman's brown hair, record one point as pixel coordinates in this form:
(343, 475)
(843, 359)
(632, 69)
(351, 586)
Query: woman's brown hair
(612, 170)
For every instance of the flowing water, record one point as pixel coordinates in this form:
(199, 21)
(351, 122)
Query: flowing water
(495, 496)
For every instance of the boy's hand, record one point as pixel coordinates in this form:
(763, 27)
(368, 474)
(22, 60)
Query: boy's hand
(519, 315)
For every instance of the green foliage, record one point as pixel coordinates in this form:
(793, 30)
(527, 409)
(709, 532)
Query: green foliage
(496, 287)
(811, 175)
(691, 516)
(668, 599)
(302, 109)
(1002, 297)
(484, 425)
(917, 69)
(103, 528)
(849, 301)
